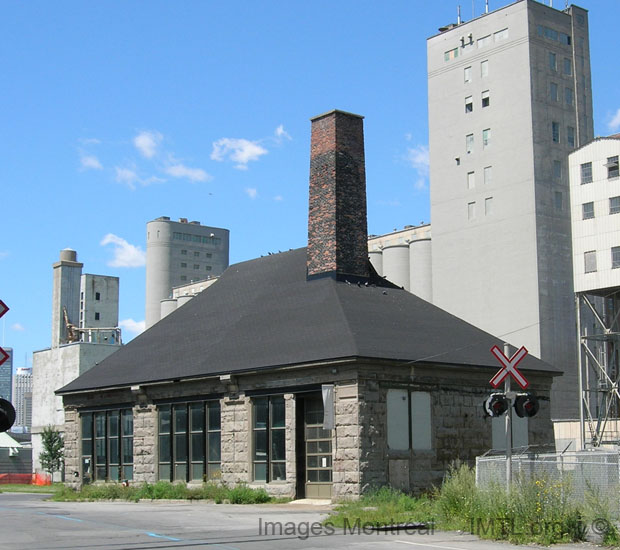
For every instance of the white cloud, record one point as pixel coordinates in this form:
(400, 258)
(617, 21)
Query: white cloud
(417, 157)
(90, 162)
(614, 123)
(129, 325)
(89, 141)
(281, 133)
(181, 171)
(18, 327)
(130, 178)
(278, 198)
(125, 254)
(147, 143)
(241, 151)
(251, 192)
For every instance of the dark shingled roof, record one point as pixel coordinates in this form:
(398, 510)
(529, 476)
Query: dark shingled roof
(264, 313)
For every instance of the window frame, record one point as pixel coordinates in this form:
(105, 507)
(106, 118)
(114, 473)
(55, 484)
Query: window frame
(587, 210)
(590, 254)
(614, 209)
(615, 257)
(585, 172)
(269, 440)
(613, 167)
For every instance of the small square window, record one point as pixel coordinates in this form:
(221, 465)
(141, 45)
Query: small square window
(97, 316)
(97, 296)
(557, 169)
(183, 277)
(486, 137)
(555, 132)
(184, 252)
(586, 173)
(589, 259)
(469, 143)
(208, 267)
(553, 91)
(196, 254)
(587, 209)
(553, 63)
(568, 96)
(614, 205)
(612, 167)
(183, 264)
(488, 175)
(471, 180)
(570, 136)
(568, 67)
(209, 254)
(615, 257)
(469, 104)
(196, 266)
(488, 206)
(558, 200)
(471, 210)
(467, 74)
(485, 99)
(484, 68)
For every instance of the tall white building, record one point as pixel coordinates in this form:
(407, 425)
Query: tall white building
(22, 398)
(6, 376)
(509, 99)
(178, 253)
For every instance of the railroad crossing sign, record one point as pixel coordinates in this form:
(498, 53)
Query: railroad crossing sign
(509, 366)
(3, 354)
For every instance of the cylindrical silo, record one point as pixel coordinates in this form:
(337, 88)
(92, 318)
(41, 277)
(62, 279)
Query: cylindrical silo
(376, 259)
(168, 306)
(420, 268)
(182, 300)
(396, 264)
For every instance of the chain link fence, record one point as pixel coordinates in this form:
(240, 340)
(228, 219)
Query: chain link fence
(583, 474)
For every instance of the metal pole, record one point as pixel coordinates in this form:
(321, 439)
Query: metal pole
(508, 354)
(582, 426)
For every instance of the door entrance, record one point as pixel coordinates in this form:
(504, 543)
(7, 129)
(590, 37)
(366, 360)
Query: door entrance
(317, 449)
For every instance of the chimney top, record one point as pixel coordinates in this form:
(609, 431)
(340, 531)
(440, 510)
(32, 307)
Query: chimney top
(337, 227)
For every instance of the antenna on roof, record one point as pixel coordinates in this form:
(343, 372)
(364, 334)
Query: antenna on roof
(486, 6)
(458, 15)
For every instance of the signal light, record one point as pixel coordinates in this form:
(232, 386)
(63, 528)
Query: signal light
(526, 405)
(496, 405)
(7, 415)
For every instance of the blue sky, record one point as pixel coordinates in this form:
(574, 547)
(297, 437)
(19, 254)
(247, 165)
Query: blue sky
(115, 113)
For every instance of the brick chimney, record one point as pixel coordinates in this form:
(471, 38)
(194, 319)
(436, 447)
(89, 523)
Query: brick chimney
(337, 227)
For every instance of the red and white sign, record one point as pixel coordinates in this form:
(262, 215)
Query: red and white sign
(509, 366)
(3, 354)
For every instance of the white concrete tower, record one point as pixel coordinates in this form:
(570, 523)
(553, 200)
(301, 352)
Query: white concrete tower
(178, 253)
(65, 295)
(509, 98)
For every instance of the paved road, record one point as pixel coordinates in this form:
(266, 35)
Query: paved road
(29, 522)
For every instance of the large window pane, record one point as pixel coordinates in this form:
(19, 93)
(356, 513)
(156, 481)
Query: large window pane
(198, 449)
(278, 451)
(261, 408)
(100, 424)
(113, 424)
(164, 420)
(87, 426)
(180, 448)
(277, 412)
(214, 415)
(260, 445)
(214, 447)
(197, 417)
(164, 448)
(127, 420)
(180, 418)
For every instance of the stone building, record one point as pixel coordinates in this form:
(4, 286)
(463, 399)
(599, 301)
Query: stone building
(302, 372)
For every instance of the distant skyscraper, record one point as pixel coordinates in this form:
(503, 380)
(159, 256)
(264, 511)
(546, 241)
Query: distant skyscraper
(22, 398)
(6, 375)
(178, 253)
(509, 97)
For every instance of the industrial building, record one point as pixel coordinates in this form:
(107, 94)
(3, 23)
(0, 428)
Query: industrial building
(6, 375)
(84, 332)
(22, 399)
(595, 216)
(509, 97)
(178, 253)
(303, 372)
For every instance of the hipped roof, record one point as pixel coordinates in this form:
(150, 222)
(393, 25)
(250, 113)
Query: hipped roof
(263, 314)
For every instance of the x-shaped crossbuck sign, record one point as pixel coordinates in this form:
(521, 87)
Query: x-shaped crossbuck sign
(509, 366)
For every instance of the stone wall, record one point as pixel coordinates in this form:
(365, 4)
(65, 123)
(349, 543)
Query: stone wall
(72, 448)
(145, 449)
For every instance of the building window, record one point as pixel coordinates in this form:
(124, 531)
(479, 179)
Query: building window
(553, 63)
(451, 54)
(471, 180)
(568, 66)
(469, 143)
(587, 209)
(97, 296)
(586, 173)
(589, 259)
(557, 169)
(183, 264)
(467, 74)
(471, 210)
(486, 101)
(501, 35)
(612, 167)
(486, 137)
(615, 257)
(555, 132)
(409, 420)
(570, 136)
(268, 439)
(568, 96)
(488, 206)
(189, 441)
(196, 254)
(484, 41)
(209, 254)
(484, 68)
(553, 91)
(558, 200)
(97, 316)
(107, 445)
(184, 252)
(488, 175)
(469, 104)
(196, 266)
(208, 267)
(614, 205)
